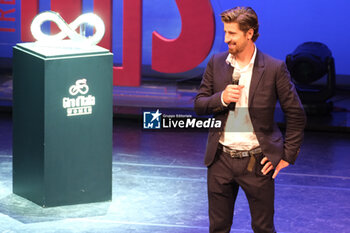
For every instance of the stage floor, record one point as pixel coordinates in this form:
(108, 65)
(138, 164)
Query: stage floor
(159, 185)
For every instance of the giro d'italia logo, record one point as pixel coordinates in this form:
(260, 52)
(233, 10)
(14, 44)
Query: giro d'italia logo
(151, 120)
(79, 103)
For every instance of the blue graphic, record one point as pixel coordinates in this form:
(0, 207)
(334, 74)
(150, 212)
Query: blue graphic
(151, 120)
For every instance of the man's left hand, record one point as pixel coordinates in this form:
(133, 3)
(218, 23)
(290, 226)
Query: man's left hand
(268, 166)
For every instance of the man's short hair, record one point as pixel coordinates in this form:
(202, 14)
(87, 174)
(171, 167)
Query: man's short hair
(245, 17)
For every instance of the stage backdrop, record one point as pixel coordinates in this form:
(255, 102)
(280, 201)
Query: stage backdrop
(175, 38)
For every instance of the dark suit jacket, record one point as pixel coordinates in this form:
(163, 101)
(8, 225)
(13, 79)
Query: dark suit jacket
(270, 82)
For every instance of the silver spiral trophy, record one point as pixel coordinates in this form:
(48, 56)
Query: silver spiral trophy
(68, 30)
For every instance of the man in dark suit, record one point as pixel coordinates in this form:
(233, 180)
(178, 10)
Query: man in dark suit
(249, 150)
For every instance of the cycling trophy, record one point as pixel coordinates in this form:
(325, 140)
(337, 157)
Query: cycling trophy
(62, 114)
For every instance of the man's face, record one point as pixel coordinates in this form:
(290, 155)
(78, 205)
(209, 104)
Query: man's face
(236, 39)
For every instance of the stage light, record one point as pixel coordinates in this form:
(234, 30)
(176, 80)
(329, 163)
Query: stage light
(309, 63)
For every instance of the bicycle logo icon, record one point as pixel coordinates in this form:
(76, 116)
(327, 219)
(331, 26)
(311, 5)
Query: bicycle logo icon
(79, 87)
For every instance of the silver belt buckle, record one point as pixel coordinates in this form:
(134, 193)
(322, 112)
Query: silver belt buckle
(245, 154)
(235, 153)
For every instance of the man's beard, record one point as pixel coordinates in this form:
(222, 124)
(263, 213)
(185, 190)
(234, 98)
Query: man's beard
(235, 50)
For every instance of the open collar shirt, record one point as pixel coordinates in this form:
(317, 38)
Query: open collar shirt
(239, 133)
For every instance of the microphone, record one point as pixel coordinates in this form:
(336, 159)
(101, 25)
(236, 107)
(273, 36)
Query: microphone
(235, 81)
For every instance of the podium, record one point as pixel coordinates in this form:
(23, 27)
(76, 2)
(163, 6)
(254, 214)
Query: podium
(62, 123)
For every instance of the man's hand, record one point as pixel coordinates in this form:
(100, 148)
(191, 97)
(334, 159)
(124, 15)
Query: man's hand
(268, 166)
(282, 164)
(232, 93)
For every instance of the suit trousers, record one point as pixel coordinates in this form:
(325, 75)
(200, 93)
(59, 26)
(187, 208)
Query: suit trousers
(225, 176)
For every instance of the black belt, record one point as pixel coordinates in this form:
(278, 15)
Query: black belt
(239, 154)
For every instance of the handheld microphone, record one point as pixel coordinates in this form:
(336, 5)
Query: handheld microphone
(236, 77)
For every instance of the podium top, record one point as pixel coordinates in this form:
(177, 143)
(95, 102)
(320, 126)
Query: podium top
(60, 49)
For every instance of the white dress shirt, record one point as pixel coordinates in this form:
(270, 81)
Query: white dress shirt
(239, 133)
